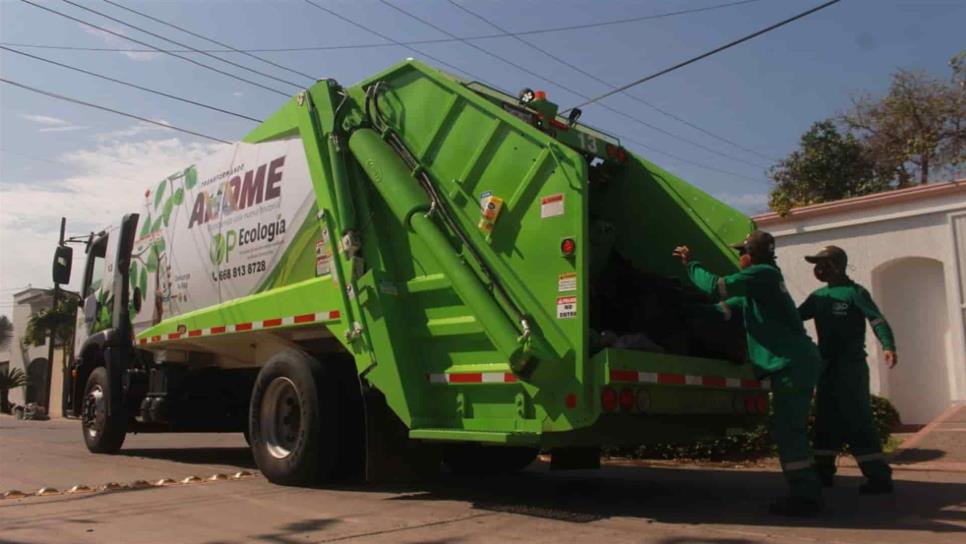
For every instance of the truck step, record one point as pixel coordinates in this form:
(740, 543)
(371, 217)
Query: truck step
(491, 437)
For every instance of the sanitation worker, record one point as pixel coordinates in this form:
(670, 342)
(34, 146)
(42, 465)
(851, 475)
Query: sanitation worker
(780, 350)
(843, 414)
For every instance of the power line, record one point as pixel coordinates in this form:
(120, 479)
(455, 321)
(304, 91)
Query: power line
(565, 87)
(532, 45)
(481, 79)
(111, 110)
(216, 42)
(387, 38)
(621, 21)
(132, 85)
(157, 49)
(625, 138)
(160, 37)
(707, 54)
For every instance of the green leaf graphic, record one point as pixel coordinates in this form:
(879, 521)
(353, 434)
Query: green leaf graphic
(159, 192)
(179, 196)
(168, 207)
(157, 225)
(144, 283)
(146, 227)
(159, 245)
(152, 264)
(190, 177)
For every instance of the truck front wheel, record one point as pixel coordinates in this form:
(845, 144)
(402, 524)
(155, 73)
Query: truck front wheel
(103, 433)
(293, 420)
(474, 459)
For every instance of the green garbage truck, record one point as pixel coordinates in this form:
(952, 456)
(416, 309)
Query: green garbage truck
(412, 271)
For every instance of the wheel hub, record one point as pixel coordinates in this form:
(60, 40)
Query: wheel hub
(93, 411)
(280, 417)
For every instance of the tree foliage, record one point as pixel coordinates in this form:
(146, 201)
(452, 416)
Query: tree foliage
(915, 133)
(62, 320)
(828, 165)
(6, 332)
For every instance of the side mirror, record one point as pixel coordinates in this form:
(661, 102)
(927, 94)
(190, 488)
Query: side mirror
(136, 300)
(63, 259)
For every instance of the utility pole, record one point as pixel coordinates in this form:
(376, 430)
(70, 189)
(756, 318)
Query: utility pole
(53, 328)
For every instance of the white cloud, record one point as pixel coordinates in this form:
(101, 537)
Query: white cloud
(45, 120)
(51, 124)
(110, 180)
(61, 129)
(746, 202)
(113, 41)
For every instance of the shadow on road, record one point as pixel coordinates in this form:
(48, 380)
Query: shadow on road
(698, 496)
(239, 457)
(916, 455)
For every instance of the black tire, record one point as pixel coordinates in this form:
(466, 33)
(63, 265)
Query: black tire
(294, 420)
(474, 459)
(103, 433)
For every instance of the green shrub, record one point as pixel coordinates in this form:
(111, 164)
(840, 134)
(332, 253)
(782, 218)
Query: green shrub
(752, 444)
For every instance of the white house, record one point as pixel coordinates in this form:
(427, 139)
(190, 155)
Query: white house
(908, 247)
(33, 359)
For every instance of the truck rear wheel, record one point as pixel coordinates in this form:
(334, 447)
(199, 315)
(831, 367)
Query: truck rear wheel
(474, 459)
(293, 420)
(103, 433)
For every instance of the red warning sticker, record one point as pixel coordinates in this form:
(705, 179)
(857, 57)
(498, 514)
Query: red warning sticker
(566, 307)
(551, 205)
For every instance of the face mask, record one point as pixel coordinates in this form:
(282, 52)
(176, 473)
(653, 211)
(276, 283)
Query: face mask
(744, 261)
(822, 272)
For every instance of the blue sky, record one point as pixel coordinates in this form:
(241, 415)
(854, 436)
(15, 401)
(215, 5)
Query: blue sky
(761, 95)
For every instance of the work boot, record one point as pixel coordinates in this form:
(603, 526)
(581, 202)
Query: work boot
(796, 507)
(876, 487)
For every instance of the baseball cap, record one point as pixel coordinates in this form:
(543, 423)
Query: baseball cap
(757, 244)
(832, 254)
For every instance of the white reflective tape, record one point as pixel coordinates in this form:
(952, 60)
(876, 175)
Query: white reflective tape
(437, 378)
(722, 288)
(256, 325)
(693, 380)
(647, 377)
(798, 465)
(493, 377)
(290, 320)
(876, 322)
(733, 383)
(725, 310)
(869, 457)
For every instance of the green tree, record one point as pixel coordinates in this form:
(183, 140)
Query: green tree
(10, 378)
(6, 332)
(829, 165)
(916, 131)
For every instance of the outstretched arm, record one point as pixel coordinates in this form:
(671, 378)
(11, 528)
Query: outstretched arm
(863, 300)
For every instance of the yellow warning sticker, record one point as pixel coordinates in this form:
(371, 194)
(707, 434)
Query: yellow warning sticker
(567, 282)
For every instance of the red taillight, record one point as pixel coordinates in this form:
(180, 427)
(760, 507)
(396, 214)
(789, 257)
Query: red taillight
(750, 405)
(570, 401)
(616, 153)
(626, 399)
(608, 399)
(568, 246)
(762, 404)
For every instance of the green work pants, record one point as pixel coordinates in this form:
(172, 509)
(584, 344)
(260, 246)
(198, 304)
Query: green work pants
(843, 415)
(792, 389)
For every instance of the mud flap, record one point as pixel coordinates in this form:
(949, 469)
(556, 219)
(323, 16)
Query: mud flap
(575, 458)
(391, 456)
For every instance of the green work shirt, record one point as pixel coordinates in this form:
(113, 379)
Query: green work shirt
(840, 313)
(776, 336)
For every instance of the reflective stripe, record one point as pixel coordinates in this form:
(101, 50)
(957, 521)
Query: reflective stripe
(722, 288)
(798, 465)
(869, 457)
(826, 453)
(876, 322)
(726, 310)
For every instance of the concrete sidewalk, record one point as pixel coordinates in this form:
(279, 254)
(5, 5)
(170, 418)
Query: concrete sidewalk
(940, 445)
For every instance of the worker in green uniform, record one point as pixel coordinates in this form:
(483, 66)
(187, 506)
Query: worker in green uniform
(780, 350)
(843, 413)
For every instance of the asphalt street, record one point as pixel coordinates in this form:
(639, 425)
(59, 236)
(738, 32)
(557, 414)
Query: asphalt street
(619, 503)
